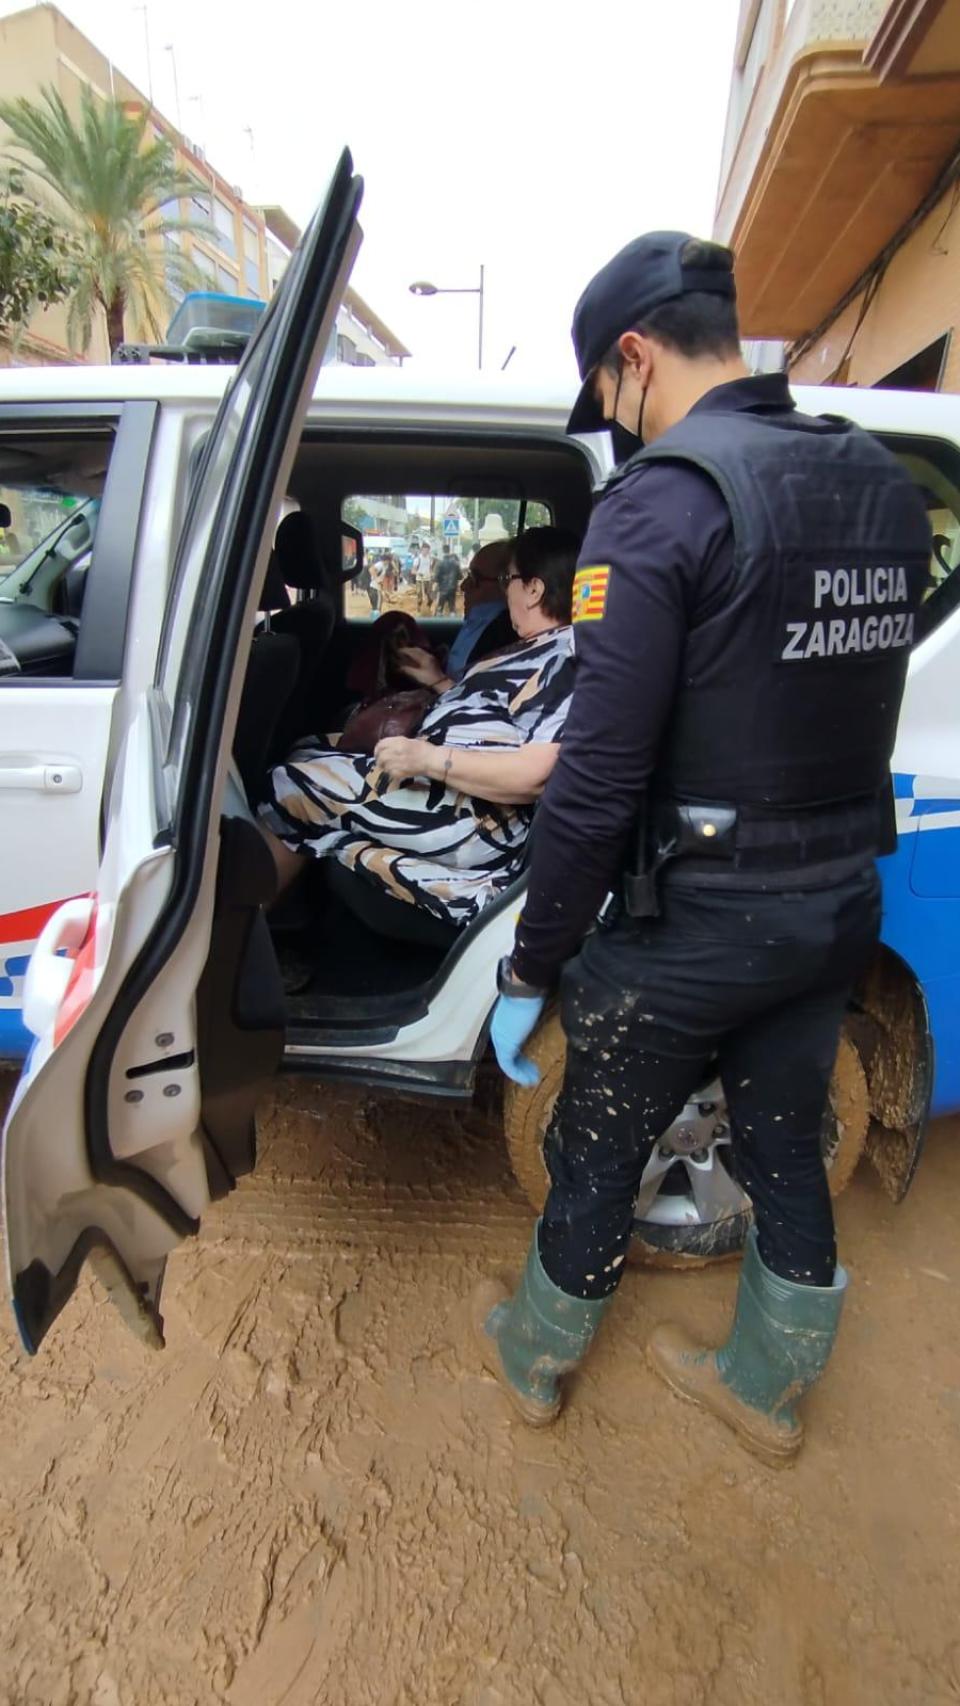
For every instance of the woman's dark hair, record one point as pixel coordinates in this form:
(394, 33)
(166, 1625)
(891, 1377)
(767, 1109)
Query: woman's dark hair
(549, 554)
(701, 323)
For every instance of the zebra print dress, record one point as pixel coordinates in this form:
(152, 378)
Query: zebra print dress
(427, 844)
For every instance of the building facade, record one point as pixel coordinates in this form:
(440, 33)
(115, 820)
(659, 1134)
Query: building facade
(840, 187)
(360, 337)
(40, 48)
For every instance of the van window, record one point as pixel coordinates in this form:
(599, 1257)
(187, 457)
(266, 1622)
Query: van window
(395, 529)
(935, 466)
(50, 495)
(47, 526)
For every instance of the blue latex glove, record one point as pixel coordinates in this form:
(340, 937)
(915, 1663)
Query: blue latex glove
(514, 1017)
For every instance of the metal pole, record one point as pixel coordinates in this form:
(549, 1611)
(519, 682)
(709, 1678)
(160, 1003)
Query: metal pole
(176, 86)
(248, 132)
(480, 338)
(146, 41)
(198, 102)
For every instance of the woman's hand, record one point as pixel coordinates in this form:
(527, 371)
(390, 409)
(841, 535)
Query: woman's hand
(399, 756)
(420, 666)
(510, 776)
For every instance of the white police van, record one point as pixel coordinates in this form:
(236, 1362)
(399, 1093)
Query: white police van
(138, 971)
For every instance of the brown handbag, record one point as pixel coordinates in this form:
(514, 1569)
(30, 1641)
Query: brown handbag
(376, 719)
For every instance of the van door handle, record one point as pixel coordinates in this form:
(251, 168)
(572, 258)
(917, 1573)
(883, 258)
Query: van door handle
(41, 778)
(52, 962)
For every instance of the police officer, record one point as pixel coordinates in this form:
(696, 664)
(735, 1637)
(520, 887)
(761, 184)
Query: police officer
(745, 605)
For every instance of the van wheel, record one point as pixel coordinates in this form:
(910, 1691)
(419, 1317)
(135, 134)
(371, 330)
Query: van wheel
(690, 1208)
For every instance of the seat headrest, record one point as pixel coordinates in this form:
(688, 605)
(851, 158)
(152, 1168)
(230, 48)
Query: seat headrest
(298, 556)
(274, 595)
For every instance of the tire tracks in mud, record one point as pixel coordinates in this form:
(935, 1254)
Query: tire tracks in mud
(314, 1496)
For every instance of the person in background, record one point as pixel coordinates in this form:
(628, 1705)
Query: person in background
(424, 577)
(10, 542)
(364, 582)
(374, 593)
(448, 583)
(390, 578)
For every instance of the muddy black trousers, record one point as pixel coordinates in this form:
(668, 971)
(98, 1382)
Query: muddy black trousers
(750, 986)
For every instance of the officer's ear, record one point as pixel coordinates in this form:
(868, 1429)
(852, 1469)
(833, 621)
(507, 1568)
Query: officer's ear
(636, 351)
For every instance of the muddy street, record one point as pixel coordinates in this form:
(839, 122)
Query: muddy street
(314, 1496)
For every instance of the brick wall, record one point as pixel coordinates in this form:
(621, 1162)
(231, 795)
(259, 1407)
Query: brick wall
(918, 300)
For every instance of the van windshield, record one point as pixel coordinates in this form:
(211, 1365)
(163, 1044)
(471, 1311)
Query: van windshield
(418, 548)
(65, 545)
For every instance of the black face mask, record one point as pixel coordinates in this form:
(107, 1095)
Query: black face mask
(625, 443)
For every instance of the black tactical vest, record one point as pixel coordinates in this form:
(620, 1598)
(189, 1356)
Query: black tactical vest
(790, 692)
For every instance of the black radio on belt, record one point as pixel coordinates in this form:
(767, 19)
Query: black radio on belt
(812, 844)
(668, 830)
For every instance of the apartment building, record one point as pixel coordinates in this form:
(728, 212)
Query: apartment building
(360, 337)
(40, 48)
(840, 187)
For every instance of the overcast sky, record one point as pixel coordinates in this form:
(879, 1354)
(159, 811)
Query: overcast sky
(534, 138)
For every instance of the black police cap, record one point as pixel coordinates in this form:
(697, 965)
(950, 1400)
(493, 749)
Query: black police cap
(649, 271)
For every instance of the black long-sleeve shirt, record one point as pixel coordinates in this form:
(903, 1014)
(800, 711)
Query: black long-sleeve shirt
(665, 534)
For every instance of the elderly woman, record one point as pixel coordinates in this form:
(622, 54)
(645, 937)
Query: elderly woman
(440, 821)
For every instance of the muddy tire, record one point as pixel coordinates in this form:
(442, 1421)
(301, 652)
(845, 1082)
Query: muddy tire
(527, 1115)
(847, 1117)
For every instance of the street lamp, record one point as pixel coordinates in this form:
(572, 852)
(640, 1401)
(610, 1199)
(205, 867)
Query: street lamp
(201, 131)
(146, 40)
(423, 288)
(169, 48)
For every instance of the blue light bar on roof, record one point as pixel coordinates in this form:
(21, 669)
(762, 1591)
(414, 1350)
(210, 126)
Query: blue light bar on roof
(206, 312)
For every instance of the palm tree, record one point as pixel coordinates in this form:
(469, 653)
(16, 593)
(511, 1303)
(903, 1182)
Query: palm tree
(116, 186)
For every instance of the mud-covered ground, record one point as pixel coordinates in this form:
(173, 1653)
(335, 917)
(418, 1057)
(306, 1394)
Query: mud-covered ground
(312, 1496)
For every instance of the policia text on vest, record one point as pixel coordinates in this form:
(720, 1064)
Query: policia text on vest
(868, 623)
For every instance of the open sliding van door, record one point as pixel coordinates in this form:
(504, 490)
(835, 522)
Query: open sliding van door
(136, 1102)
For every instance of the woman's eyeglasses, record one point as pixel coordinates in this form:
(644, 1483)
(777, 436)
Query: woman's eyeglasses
(473, 579)
(507, 576)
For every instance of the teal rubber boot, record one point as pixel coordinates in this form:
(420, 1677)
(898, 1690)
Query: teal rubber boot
(779, 1344)
(529, 1340)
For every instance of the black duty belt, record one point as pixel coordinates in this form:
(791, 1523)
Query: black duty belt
(718, 844)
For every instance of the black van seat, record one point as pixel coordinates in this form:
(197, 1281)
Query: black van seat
(384, 915)
(271, 675)
(274, 595)
(297, 561)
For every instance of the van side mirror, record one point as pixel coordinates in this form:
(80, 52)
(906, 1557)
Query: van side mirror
(351, 551)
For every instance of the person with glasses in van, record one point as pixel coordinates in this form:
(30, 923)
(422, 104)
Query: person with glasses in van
(486, 625)
(441, 820)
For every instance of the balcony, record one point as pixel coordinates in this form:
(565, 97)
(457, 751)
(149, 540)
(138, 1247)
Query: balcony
(848, 125)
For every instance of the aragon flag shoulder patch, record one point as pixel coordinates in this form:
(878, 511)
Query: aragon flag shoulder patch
(590, 592)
